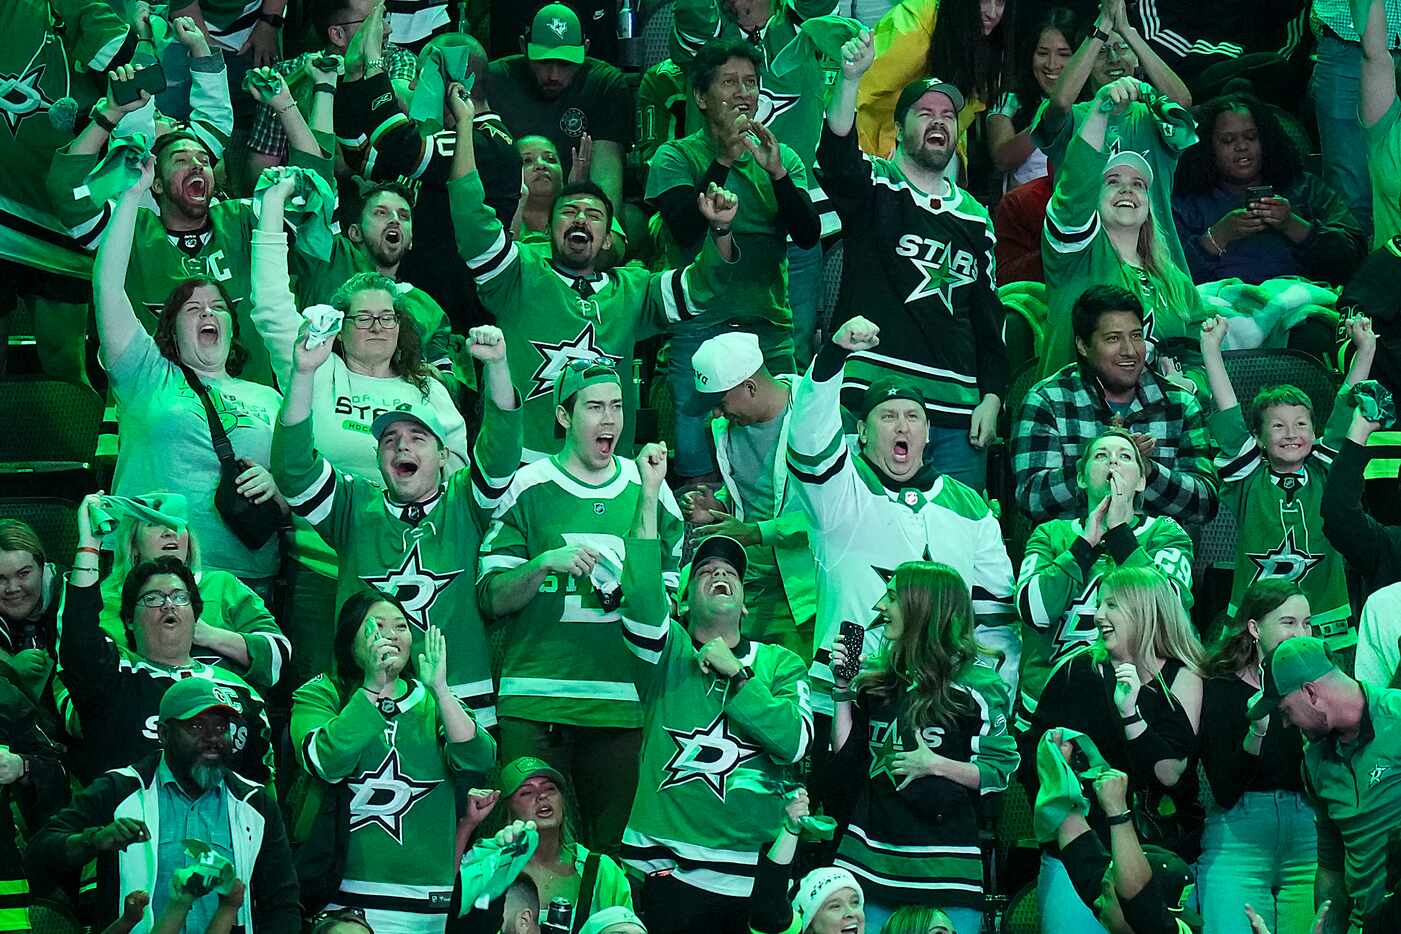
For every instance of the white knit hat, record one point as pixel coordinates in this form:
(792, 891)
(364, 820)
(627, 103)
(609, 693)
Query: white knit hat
(601, 921)
(819, 884)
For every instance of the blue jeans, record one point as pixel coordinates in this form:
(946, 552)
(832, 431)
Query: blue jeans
(693, 457)
(1061, 909)
(804, 295)
(965, 920)
(1336, 87)
(1260, 853)
(950, 453)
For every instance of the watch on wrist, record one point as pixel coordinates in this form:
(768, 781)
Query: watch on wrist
(1099, 34)
(1117, 819)
(275, 20)
(743, 675)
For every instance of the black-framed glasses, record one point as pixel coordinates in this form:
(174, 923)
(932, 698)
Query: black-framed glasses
(365, 320)
(325, 918)
(155, 598)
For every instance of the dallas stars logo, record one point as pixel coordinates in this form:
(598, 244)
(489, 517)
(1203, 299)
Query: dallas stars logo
(772, 105)
(884, 751)
(710, 755)
(1285, 560)
(937, 280)
(416, 587)
(555, 357)
(385, 797)
(21, 96)
(1376, 775)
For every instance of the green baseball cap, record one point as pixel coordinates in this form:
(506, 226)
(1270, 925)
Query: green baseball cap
(190, 697)
(523, 768)
(555, 35)
(425, 418)
(1293, 664)
(581, 372)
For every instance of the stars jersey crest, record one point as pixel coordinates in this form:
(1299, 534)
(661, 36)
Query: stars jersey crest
(384, 796)
(708, 754)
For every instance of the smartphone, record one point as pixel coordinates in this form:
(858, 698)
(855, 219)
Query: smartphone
(853, 637)
(150, 79)
(1258, 193)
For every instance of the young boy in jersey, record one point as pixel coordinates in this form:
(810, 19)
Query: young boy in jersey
(550, 572)
(413, 535)
(727, 719)
(1278, 510)
(1058, 587)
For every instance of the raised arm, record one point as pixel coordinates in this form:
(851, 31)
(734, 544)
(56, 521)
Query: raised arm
(117, 324)
(1214, 331)
(1076, 72)
(857, 56)
(269, 88)
(274, 307)
(1155, 70)
(1378, 69)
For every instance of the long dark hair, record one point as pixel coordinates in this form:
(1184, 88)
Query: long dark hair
(407, 359)
(345, 671)
(978, 65)
(1281, 165)
(934, 648)
(1028, 91)
(1237, 649)
(165, 324)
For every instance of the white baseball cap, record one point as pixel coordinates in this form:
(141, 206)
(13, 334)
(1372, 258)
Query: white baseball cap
(721, 364)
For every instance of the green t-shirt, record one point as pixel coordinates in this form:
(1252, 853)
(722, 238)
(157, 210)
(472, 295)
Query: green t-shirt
(759, 288)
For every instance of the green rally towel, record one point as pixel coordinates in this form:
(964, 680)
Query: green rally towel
(118, 171)
(1060, 794)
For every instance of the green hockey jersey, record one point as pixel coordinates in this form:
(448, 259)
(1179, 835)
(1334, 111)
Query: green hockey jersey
(230, 22)
(562, 661)
(1058, 587)
(160, 260)
(715, 758)
(229, 604)
(1279, 521)
(428, 564)
(52, 49)
(396, 769)
(551, 316)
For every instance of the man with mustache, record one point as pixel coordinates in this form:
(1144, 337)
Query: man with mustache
(551, 299)
(727, 721)
(918, 264)
(135, 821)
(557, 90)
(731, 148)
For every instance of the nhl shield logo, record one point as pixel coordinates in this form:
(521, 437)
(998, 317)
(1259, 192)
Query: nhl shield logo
(911, 498)
(599, 509)
(557, 26)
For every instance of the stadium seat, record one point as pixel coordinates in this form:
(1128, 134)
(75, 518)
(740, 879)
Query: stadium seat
(831, 287)
(1250, 371)
(656, 33)
(55, 521)
(50, 426)
(1023, 916)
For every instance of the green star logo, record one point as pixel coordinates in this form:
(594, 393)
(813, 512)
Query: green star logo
(884, 751)
(937, 280)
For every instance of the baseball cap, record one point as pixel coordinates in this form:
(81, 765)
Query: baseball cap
(1173, 879)
(582, 372)
(555, 35)
(721, 364)
(887, 388)
(1132, 160)
(426, 418)
(190, 697)
(724, 548)
(1293, 664)
(523, 768)
(920, 87)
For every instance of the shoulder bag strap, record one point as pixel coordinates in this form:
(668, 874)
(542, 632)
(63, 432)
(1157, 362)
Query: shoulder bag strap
(222, 446)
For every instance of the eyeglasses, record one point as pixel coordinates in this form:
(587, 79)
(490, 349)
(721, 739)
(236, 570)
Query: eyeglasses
(331, 916)
(386, 319)
(154, 598)
(584, 364)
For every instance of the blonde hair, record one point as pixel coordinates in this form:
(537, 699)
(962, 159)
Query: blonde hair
(934, 648)
(1163, 629)
(124, 556)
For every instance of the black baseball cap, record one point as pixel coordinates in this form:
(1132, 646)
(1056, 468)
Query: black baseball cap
(887, 388)
(920, 87)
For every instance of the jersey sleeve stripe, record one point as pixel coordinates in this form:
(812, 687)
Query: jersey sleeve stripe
(494, 259)
(817, 479)
(485, 490)
(1234, 468)
(499, 562)
(1064, 239)
(280, 652)
(676, 296)
(313, 762)
(394, 122)
(315, 502)
(644, 641)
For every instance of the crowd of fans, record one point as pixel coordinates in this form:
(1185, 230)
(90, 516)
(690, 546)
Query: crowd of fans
(517, 525)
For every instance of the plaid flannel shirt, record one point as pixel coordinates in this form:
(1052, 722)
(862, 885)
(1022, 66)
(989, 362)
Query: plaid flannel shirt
(268, 137)
(1063, 413)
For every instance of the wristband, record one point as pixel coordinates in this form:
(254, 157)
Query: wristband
(275, 20)
(743, 675)
(1215, 245)
(322, 87)
(1099, 34)
(88, 550)
(720, 231)
(1131, 720)
(283, 110)
(101, 120)
(1117, 819)
(845, 696)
